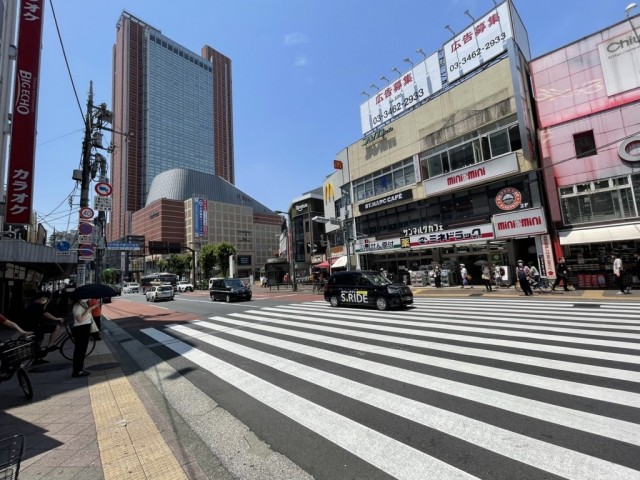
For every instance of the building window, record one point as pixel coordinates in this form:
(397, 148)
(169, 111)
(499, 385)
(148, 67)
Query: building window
(598, 201)
(585, 144)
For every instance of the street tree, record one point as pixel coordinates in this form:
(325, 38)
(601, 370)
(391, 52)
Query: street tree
(223, 251)
(207, 259)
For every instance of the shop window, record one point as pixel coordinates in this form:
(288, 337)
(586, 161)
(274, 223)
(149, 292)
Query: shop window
(585, 144)
(462, 156)
(514, 138)
(486, 151)
(499, 142)
(383, 184)
(434, 165)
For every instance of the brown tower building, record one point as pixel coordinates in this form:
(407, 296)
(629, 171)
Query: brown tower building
(176, 108)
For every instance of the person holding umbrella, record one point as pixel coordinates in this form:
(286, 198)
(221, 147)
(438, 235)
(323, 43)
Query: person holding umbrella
(81, 331)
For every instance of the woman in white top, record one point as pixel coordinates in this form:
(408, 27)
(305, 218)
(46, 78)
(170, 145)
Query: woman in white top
(81, 330)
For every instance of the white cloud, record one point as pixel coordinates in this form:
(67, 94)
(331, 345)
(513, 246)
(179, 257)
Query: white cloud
(294, 38)
(301, 61)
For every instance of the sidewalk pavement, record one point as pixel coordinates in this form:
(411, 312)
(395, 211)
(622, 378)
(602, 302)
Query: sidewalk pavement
(104, 426)
(91, 428)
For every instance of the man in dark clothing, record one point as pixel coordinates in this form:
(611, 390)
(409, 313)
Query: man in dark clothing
(635, 269)
(41, 322)
(562, 271)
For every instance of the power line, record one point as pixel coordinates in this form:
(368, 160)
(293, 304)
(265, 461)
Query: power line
(66, 61)
(61, 136)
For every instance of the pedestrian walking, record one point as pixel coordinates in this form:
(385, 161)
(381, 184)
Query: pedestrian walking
(464, 276)
(562, 273)
(81, 331)
(437, 276)
(523, 274)
(96, 313)
(635, 270)
(617, 273)
(486, 277)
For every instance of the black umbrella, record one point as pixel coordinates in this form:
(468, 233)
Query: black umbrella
(93, 290)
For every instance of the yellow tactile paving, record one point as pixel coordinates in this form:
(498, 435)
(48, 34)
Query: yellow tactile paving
(130, 444)
(593, 294)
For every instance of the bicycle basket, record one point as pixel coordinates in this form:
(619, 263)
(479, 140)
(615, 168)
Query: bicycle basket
(11, 453)
(15, 352)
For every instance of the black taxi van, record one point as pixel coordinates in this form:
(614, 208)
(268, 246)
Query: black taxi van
(229, 289)
(364, 288)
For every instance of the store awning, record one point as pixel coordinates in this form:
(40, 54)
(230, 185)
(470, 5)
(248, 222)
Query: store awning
(341, 262)
(324, 264)
(601, 234)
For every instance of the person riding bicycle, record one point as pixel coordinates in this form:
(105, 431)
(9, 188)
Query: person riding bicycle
(41, 322)
(535, 274)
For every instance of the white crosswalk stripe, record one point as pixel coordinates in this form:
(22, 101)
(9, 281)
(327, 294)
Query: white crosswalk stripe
(522, 390)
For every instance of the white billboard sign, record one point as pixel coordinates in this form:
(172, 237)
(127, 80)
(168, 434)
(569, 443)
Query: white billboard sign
(479, 43)
(520, 223)
(620, 61)
(473, 175)
(422, 81)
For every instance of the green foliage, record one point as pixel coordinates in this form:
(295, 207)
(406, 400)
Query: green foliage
(223, 251)
(178, 264)
(212, 256)
(207, 260)
(161, 265)
(109, 276)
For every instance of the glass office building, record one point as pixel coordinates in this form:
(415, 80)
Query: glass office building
(175, 106)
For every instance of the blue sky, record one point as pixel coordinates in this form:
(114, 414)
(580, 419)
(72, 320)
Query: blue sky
(299, 67)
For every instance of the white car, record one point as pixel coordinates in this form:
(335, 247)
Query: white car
(131, 287)
(184, 286)
(159, 292)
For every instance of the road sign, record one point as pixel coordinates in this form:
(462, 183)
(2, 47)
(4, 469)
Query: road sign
(63, 246)
(122, 246)
(86, 213)
(103, 189)
(85, 250)
(85, 239)
(102, 204)
(85, 228)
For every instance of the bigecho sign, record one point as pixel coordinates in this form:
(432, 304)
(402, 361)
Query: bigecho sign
(23, 131)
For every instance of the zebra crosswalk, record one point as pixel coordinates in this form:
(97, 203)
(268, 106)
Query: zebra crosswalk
(458, 388)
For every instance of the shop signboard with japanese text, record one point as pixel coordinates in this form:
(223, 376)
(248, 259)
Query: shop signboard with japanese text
(473, 175)
(413, 86)
(200, 218)
(468, 234)
(520, 223)
(21, 171)
(479, 43)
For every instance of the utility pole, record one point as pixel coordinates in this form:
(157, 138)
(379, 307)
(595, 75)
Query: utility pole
(95, 120)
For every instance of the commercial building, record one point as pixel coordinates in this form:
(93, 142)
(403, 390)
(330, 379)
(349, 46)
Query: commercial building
(175, 107)
(588, 102)
(446, 172)
(186, 208)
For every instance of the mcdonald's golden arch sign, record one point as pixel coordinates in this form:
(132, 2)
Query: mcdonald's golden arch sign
(329, 193)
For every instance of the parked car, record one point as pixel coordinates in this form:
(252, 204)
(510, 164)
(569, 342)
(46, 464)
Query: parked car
(184, 286)
(131, 287)
(229, 289)
(159, 292)
(370, 289)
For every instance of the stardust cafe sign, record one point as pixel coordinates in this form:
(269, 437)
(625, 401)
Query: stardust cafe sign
(23, 131)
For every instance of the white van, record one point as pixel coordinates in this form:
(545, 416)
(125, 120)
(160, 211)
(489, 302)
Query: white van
(211, 280)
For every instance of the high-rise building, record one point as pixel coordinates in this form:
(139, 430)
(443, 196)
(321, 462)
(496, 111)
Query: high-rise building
(175, 107)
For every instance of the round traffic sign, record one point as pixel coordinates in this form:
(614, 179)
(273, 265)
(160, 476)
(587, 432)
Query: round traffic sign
(103, 189)
(85, 250)
(85, 228)
(86, 213)
(63, 246)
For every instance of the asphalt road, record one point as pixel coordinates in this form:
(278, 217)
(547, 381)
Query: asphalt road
(452, 388)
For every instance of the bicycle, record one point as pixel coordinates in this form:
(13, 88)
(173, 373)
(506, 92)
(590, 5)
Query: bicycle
(66, 345)
(11, 453)
(543, 284)
(14, 356)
